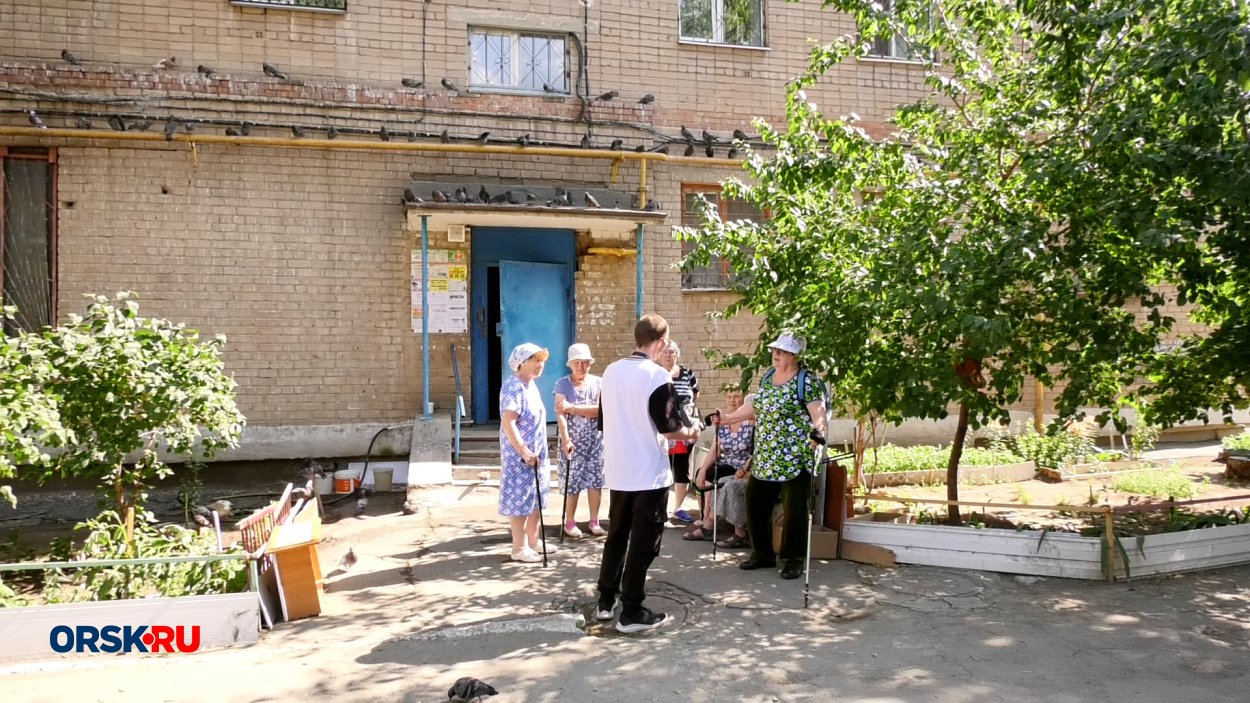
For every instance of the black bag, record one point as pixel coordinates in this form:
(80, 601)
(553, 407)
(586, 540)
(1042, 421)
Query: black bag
(717, 473)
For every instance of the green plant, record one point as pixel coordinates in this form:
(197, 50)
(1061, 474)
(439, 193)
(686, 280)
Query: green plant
(1237, 442)
(1162, 483)
(891, 458)
(1056, 449)
(116, 389)
(1023, 497)
(106, 539)
(1143, 439)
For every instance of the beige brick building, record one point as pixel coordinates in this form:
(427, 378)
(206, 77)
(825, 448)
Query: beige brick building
(271, 211)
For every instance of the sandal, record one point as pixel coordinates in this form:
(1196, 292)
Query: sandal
(696, 535)
(734, 542)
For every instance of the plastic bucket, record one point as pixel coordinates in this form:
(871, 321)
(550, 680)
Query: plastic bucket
(382, 478)
(345, 481)
(324, 484)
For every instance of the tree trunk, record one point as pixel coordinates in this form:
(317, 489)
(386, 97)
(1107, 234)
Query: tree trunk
(952, 466)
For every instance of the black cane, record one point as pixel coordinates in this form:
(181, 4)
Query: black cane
(538, 496)
(564, 497)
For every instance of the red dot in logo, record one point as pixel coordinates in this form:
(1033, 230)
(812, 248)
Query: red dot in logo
(148, 638)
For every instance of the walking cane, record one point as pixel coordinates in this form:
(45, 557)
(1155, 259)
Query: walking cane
(715, 480)
(564, 494)
(821, 452)
(538, 496)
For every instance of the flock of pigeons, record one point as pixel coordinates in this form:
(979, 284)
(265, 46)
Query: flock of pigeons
(509, 197)
(243, 129)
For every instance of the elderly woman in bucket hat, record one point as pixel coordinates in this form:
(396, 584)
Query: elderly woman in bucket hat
(787, 421)
(581, 442)
(523, 447)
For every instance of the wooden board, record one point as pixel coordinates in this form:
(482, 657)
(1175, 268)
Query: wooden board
(867, 553)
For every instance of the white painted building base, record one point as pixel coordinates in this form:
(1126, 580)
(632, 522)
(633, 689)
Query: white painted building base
(1057, 554)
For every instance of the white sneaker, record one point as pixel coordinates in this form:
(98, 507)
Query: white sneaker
(526, 555)
(573, 532)
(596, 530)
(552, 548)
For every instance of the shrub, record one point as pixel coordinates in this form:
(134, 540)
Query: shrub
(891, 458)
(1159, 484)
(1056, 449)
(1237, 442)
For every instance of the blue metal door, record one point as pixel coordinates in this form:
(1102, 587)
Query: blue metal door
(534, 303)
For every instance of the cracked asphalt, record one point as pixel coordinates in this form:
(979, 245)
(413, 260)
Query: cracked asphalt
(433, 598)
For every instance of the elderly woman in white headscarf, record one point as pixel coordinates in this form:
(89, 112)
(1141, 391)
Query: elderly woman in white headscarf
(524, 476)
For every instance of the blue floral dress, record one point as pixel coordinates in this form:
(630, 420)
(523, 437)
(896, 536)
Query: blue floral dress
(516, 479)
(781, 446)
(735, 448)
(586, 468)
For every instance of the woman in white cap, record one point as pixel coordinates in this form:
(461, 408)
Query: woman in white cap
(581, 442)
(523, 446)
(788, 419)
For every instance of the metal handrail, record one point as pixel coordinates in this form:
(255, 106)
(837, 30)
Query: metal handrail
(459, 409)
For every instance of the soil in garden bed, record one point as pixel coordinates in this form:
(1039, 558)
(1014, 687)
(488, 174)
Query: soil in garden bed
(1203, 470)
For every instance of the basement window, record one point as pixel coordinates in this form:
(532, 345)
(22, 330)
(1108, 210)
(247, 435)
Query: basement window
(509, 60)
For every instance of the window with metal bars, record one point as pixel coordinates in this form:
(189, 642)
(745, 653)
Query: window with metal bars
(28, 236)
(717, 274)
(501, 59)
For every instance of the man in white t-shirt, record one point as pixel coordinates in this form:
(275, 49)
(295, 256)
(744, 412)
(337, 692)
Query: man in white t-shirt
(639, 411)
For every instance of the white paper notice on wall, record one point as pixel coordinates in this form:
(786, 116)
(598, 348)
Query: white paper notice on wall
(447, 294)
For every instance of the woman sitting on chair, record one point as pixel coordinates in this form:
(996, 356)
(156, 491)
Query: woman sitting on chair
(730, 452)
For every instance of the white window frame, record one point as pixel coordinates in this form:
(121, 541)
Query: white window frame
(514, 47)
(898, 49)
(718, 27)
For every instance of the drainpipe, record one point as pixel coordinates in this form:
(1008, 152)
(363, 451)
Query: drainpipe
(425, 317)
(638, 283)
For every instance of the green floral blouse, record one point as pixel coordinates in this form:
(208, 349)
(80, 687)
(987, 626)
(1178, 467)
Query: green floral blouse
(781, 429)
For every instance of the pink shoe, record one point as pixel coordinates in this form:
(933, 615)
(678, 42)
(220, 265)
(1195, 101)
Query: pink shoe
(596, 530)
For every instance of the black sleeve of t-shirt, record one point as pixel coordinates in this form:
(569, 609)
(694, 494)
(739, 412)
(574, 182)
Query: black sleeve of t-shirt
(664, 407)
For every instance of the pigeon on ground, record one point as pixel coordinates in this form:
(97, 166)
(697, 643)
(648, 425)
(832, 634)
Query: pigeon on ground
(549, 89)
(461, 195)
(143, 126)
(740, 135)
(444, 137)
(564, 199)
(590, 200)
(332, 133)
(481, 138)
(170, 128)
(661, 149)
(586, 141)
(166, 62)
(69, 56)
(438, 196)
(411, 83)
(483, 195)
(297, 131)
(640, 148)
(617, 144)
(35, 120)
(523, 140)
(272, 70)
(610, 95)
(708, 137)
(449, 85)
(530, 197)
(686, 134)
(223, 508)
(470, 689)
(245, 129)
(116, 123)
(232, 132)
(689, 150)
(646, 99)
(347, 561)
(409, 509)
(82, 122)
(733, 152)
(383, 134)
(709, 151)
(411, 197)
(652, 206)
(206, 70)
(501, 198)
(362, 504)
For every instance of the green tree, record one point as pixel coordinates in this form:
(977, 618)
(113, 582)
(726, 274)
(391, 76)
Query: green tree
(1066, 166)
(106, 393)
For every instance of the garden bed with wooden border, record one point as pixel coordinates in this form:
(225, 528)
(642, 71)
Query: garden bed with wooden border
(1048, 553)
(1097, 469)
(1022, 471)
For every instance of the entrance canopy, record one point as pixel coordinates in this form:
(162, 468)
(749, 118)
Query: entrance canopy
(522, 205)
